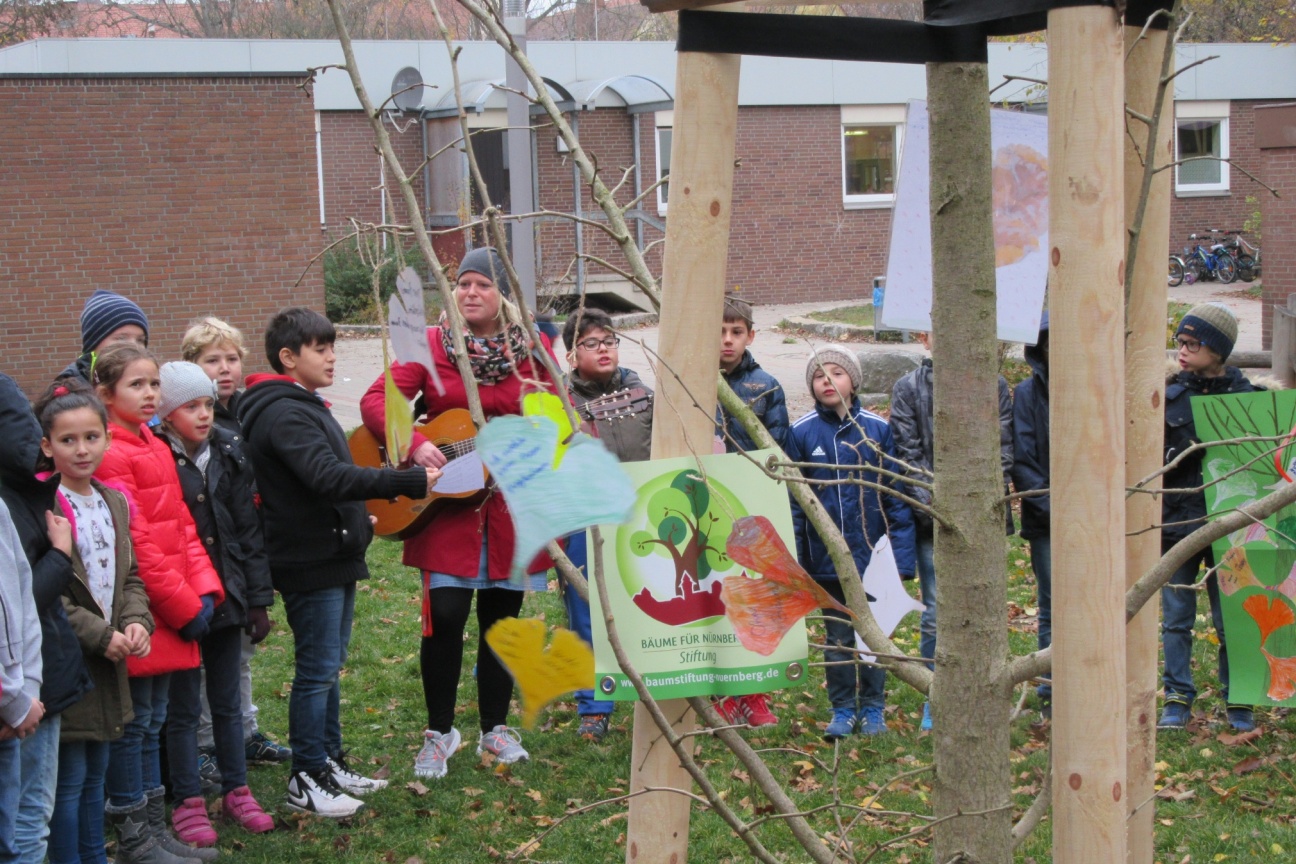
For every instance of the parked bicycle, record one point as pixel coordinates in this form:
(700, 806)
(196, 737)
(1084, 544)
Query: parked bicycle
(1246, 256)
(1209, 260)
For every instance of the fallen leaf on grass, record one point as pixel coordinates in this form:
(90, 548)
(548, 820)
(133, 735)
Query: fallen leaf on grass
(1246, 766)
(1241, 738)
(534, 795)
(615, 817)
(417, 788)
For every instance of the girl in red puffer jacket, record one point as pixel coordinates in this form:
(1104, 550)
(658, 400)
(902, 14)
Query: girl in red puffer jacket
(183, 588)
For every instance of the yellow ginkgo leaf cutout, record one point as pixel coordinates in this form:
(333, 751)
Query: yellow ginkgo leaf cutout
(549, 405)
(542, 672)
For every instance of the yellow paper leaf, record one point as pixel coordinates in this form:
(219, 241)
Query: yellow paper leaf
(1276, 849)
(542, 672)
(400, 421)
(549, 405)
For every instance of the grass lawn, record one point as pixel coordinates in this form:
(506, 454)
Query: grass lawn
(859, 316)
(1228, 801)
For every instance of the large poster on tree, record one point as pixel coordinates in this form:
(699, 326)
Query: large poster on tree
(1257, 564)
(665, 571)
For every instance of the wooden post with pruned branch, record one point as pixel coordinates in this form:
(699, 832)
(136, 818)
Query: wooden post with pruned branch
(1144, 405)
(1087, 431)
(693, 285)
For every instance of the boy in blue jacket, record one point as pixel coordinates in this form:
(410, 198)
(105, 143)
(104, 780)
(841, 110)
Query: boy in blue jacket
(839, 433)
(760, 390)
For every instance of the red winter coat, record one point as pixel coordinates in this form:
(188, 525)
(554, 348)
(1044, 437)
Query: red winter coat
(451, 541)
(172, 561)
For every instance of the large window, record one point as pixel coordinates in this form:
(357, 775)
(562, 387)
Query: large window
(1201, 138)
(871, 139)
(664, 135)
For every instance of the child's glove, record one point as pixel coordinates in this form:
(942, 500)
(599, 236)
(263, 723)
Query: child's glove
(201, 623)
(259, 624)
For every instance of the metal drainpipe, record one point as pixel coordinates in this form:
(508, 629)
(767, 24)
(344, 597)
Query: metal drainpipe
(638, 179)
(535, 201)
(580, 229)
(427, 172)
(319, 169)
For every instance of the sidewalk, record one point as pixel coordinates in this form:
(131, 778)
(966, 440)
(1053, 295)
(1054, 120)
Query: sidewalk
(783, 355)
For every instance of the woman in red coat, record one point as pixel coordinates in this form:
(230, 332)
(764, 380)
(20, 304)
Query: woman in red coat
(467, 546)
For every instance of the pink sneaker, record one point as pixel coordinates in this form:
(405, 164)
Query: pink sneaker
(241, 807)
(731, 710)
(189, 818)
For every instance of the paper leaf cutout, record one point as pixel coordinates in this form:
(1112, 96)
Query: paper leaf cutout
(1282, 677)
(549, 405)
(1235, 572)
(1270, 613)
(588, 487)
(542, 672)
(888, 600)
(407, 325)
(754, 544)
(399, 419)
(1288, 586)
(762, 611)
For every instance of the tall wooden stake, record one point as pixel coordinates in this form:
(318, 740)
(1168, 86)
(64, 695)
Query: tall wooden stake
(1144, 411)
(1087, 405)
(693, 284)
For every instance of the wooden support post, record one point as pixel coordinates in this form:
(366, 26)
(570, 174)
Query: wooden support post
(1284, 343)
(693, 285)
(1087, 411)
(1144, 411)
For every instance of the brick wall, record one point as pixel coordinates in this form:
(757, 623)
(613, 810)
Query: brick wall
(192, 196)
(1279, 220)
(1226, 212)
(353, 175)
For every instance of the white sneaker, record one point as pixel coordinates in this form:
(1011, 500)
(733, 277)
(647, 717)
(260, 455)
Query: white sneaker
(436, 752)
(504, 743)
(317, 793)
(352, 783)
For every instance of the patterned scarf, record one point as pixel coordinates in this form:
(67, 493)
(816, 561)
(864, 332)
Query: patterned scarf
(492, 357)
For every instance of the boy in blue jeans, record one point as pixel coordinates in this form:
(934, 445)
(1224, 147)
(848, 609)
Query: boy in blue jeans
(316, 534)
(840, 433)
(596, 373)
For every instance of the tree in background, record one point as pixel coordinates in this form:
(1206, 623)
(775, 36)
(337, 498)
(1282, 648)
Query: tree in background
(1240, 21)
(26, 19)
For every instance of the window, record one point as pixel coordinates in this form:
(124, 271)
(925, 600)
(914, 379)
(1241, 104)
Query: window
(664, 135)
(1201, 130)
(871, 139)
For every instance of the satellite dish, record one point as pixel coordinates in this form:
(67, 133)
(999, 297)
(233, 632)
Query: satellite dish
(407, 89)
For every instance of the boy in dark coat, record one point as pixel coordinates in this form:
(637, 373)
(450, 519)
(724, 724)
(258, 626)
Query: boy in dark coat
(756, 387)
(316, 534)
(1205, 338)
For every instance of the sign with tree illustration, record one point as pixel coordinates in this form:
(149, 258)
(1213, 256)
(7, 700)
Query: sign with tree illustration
(1257, 564)
(666, 570)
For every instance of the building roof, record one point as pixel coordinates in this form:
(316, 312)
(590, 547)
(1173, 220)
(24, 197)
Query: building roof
(1240, 72)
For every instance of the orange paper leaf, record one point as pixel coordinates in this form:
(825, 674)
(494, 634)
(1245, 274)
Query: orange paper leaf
(1269, 612)
(753, 543)
(1282, 676)
(762, 611)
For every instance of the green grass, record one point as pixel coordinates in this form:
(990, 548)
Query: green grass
(478, 813)
(859, 316)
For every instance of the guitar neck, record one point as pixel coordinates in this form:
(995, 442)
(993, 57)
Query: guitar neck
(455, 449)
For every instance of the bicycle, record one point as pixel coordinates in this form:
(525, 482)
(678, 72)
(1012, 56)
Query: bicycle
(1211, 263)
(1244, 254)
(1179, 271)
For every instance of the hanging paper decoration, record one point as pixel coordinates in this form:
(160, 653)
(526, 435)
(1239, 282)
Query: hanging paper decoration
(587, 486)
(399, 420)
(407, 325)
(888, 600)
(549, 405)
(542, 672)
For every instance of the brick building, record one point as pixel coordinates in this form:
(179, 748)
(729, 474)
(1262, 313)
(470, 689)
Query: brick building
(817, 144)
(135, 184)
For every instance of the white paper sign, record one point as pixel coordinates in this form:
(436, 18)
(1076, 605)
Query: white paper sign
(1020, 175)
(461, 475)
(891, 602)
(407, 325)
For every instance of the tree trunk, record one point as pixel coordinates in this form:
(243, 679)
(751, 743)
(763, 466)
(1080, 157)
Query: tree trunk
(973, 775)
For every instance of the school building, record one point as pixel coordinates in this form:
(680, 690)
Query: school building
(204, 176)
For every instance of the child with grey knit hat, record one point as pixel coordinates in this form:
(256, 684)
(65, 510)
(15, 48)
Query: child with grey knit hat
(1205, 339)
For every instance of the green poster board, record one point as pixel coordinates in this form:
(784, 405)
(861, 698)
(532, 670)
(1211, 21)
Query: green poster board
(664, 569)
(1257, 565)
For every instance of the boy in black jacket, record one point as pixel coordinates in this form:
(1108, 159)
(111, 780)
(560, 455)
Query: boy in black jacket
(316, 533)
(1205, 338)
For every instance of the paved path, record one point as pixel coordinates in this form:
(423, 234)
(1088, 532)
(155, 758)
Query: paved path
(359, 360)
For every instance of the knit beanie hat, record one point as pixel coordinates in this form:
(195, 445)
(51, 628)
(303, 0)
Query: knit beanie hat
(104, 312)
(843, 358)
(486, 261)
(1213, 325)
(183, 382)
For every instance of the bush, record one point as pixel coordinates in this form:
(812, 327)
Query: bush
(348, 285)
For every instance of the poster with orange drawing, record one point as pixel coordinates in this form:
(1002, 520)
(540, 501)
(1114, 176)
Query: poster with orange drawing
(703, 583)
(1019, 175)
(1257, 564)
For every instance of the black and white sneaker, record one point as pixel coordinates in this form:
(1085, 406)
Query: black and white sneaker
(315, 792)
(352, 783)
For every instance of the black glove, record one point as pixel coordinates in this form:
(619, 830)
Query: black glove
(201, 623)
(259, 624)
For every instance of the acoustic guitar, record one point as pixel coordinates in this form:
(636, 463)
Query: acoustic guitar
(454, 434)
